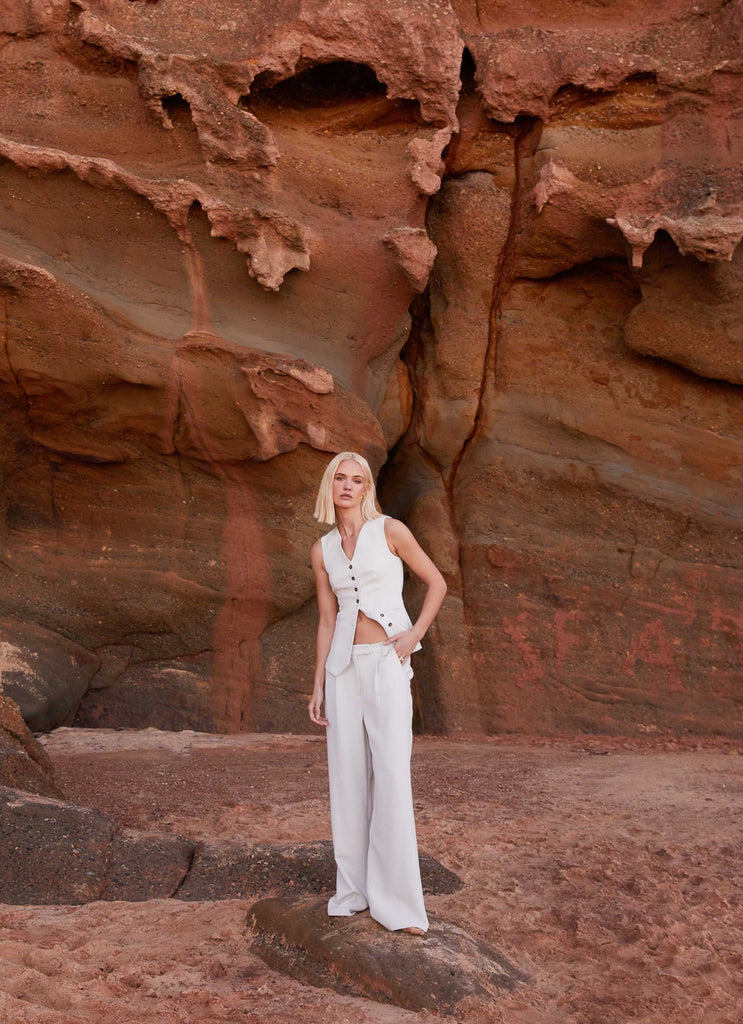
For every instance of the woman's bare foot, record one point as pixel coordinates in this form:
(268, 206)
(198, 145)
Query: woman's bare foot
(413, 931)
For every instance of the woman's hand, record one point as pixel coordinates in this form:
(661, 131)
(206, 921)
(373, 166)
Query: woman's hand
(404, 643)
(315, 707)
(401, 542)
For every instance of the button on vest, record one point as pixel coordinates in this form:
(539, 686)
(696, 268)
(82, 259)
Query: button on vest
(372, 579)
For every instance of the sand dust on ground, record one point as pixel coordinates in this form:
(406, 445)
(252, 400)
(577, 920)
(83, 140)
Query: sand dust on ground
(608, 869)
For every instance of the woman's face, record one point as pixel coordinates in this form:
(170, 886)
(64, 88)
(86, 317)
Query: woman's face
(348, 485)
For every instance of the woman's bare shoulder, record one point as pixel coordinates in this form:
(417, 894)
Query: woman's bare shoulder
(395, 529)
(397, 535)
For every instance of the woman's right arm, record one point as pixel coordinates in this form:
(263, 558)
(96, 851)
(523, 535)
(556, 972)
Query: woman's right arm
(328, 609)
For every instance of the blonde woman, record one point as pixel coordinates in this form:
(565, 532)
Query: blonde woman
(362, 674)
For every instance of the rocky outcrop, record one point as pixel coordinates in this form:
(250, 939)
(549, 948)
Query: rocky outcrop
(24, 764)
(690, 314)
(56, 852)
(59, 853)
(43, 672)
(496, 248)
(232, 870)
(588, 494)
(444, 972)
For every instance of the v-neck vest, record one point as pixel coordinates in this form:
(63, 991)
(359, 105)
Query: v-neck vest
(370, 582)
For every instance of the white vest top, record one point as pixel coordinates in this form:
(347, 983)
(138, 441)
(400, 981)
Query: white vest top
(370, 582)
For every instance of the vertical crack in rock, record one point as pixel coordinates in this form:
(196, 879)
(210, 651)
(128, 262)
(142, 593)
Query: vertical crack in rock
(188, 867)
(419, 477)
(528, 131)
(242, 615)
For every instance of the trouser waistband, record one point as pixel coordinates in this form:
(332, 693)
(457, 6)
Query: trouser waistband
(359, 650)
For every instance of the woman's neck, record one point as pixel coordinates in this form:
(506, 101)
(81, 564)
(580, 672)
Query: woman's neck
(349, 521)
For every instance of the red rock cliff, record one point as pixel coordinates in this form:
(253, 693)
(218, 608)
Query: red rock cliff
(496, 247)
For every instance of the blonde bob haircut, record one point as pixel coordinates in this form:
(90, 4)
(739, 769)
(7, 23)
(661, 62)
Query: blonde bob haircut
(325, 507)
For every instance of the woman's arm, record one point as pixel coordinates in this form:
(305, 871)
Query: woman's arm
(402, 543)
(328, 608)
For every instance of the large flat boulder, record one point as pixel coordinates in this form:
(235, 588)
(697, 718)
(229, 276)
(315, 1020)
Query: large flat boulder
(55, 852)
(146, 865)
(231, 870)
(356, 956)
(52, 851)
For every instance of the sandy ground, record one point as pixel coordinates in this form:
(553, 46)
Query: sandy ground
(609, 870)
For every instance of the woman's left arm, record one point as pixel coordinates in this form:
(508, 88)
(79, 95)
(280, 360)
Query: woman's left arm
(402, 543)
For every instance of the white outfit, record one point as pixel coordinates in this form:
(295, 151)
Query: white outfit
(371, 582)
(369, 709)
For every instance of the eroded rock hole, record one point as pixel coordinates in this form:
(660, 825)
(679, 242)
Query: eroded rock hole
(467, 71)
(178, 110)
(340, 81)
(345, 95)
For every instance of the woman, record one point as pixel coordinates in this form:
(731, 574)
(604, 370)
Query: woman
(362, 672)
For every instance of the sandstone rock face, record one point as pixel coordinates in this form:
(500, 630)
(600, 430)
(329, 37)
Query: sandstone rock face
(494, 247)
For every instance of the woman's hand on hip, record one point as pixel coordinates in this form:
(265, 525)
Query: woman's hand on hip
(315, 707)
(404, 644)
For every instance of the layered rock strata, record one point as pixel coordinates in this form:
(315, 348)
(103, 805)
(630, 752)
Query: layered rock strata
(494, 247)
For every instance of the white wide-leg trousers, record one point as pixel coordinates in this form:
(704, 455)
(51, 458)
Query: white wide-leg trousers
(369, 709)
